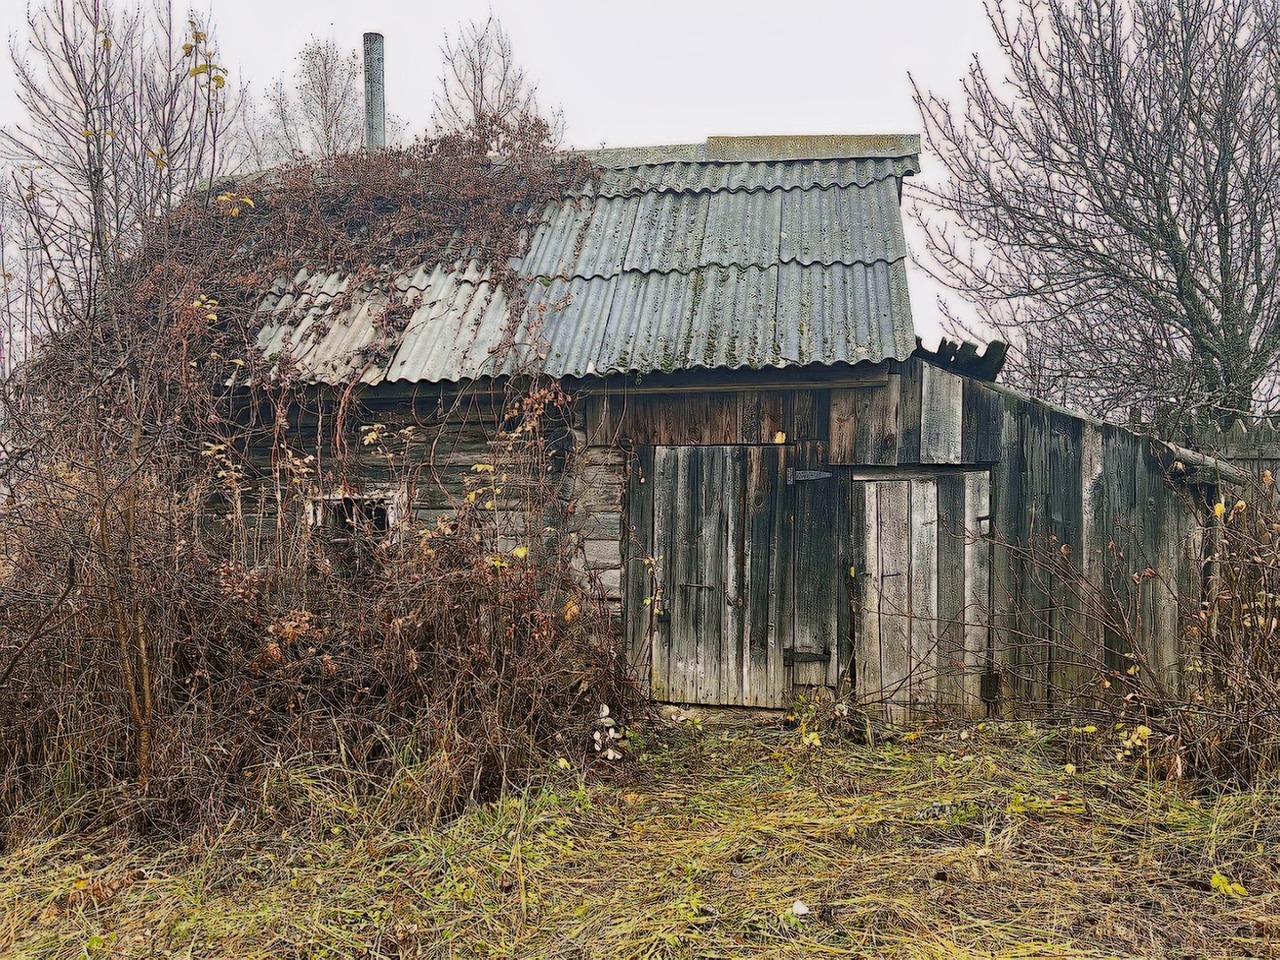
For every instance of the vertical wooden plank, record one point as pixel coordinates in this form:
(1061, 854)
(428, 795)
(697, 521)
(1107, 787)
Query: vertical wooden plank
(852, 524)
(1161, 618)
(665, 491)
(711, 550)
(771, 422)
(923, 602)
(877, 425)
(821, 414)
(941, 405)
(894, 517)
(682, 663)
(781, 576)
(749, 417)
(1116, 532)
(1068, 677)
(1172, 566)
(977, 580)
(909, 405)
(980, 423)
(1006, 505)
(842, 429)
(798, 415)
(727, 415)
(760, 494)
(734, 572)
(638, 546)
(952, 591)
(868, 685)
(1036, 581)
(1084, 646)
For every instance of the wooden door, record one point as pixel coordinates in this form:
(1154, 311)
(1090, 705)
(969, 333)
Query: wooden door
(811, 643)
(716, 530)
(920, 582)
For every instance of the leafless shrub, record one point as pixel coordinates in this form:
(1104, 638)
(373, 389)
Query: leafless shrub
(175, 623)
(1205, 705)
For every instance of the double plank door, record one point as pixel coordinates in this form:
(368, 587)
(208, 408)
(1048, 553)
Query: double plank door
(771, 572)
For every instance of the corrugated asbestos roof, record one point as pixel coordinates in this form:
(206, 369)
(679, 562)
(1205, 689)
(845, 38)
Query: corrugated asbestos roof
(674, 258)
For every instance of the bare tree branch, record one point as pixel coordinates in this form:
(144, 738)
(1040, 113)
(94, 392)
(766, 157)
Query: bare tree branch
(484, 92)
(1112, 201)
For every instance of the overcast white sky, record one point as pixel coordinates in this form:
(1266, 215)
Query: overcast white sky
(652, 72)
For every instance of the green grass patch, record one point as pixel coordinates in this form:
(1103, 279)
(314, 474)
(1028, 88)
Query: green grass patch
(709, 843)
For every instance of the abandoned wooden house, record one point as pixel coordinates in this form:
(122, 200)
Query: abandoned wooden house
(776, 486)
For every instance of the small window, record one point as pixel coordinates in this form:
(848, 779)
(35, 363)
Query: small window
(346, 517)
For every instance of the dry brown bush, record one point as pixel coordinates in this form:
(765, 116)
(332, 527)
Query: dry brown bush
(168, 641)
(1215, 713)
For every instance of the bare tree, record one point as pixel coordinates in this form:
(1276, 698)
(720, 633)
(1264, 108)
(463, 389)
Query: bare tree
(126, 110)
(125, 114)
(320, 113)
(1112, 201)
(484, 92)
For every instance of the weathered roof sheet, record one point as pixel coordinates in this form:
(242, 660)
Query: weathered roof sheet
(674, 258)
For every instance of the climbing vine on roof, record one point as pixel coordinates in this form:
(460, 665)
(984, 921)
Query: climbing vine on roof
(371, 216)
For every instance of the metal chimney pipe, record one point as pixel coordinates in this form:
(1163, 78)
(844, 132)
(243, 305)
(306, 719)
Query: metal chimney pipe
(375, 94)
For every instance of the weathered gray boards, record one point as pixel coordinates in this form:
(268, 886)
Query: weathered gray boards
(919, 539)
(775, 488)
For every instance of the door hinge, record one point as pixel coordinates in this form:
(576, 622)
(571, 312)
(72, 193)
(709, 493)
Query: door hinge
(800, 476)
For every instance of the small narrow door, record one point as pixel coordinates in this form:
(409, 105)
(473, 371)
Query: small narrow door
(812, 497)
(716, 525)
(920, 581)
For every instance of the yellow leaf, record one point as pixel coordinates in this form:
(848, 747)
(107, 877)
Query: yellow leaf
(1228, 887)
(1219, 509)
(187, 48)
(247, 202)
(780, 437)
(106, 43)
(482, 468)
(571, 610)
(219, 81)
(520, 552)
(471, 497)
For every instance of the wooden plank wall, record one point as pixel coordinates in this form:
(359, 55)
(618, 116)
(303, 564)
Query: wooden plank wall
(1096, 558)
(1074, 510)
